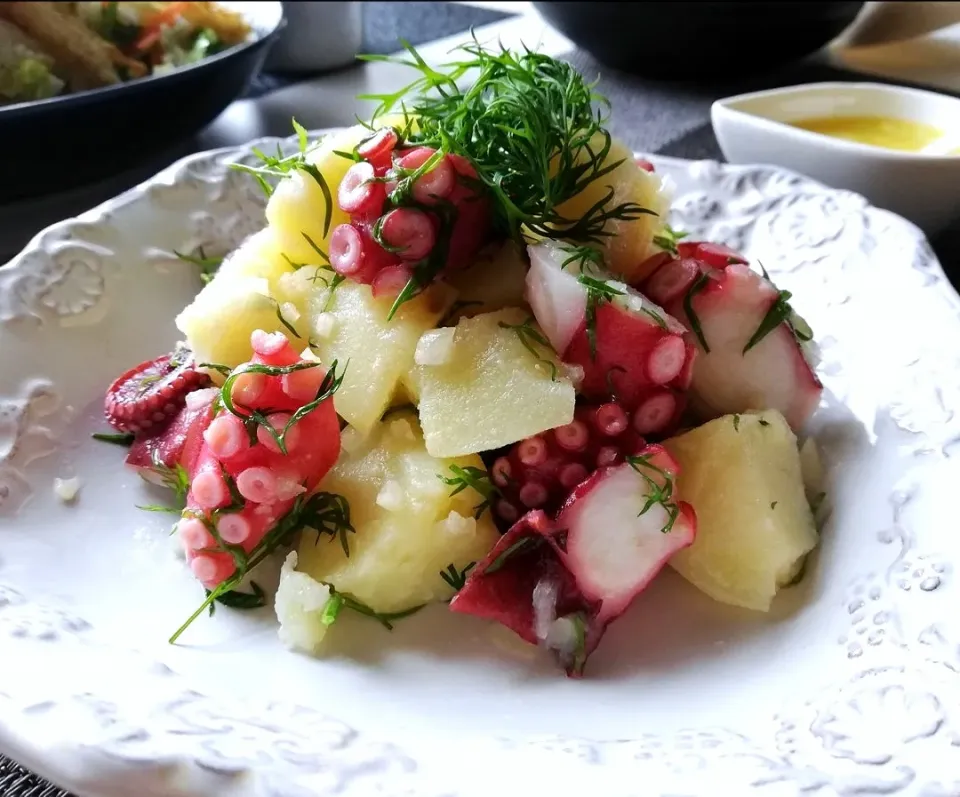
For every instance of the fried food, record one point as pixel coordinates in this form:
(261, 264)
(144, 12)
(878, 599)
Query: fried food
(81, 57)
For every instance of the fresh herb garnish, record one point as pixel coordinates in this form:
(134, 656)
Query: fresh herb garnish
(280, 166)
(159, 508)
(332, 282)
(475, 478)
(119, 439)
(598, 292)
(659, 494)
(773, 504)
(208, 265)
(779, 312)
(237, 501)
(530, 337)
(456, 578)
(242, 600)
(329, 514)
(316, 248)
(254, 418)
(667, 240)
(340, 600)
(658, 319)
(522, 545)
(763, 422)
(425, 270)
(286, 324)
(586, 257)
(698, 285)
(304, 509)
(580, 646)
(173, 478)
(528, 126)
(736, 423)
(220, 368)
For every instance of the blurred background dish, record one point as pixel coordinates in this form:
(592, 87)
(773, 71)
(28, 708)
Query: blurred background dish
(317, 37)
(91, 110)
(701, 40)
(898, 147)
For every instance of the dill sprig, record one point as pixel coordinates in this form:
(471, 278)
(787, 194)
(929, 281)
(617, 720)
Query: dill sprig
(255, 418)
(598, 292)
(330, 515)
(305, 509)
(659, 494)
(780, 312)
(523, 545)
(668, 239)
(585, 256)
(456, 578)
(531, 337)
(208, 265)
(475, 478)
(332, 282)
(698, 285)
(242, 600)
(425, 270)
(283, 321)
(173, 478)
(532, 127)
(279, 166)
(119, 439)
(341, 600)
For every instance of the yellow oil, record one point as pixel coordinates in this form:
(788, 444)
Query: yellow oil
(878, 131)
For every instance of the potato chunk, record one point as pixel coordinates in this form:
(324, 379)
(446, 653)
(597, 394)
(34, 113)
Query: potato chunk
(238, 300)
(742, 475)
(494, 390)
(353, 329)
(408, 526)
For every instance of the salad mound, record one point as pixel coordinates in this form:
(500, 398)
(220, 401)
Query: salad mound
(468, 360)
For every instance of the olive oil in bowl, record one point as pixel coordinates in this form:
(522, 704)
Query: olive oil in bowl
(877, 131)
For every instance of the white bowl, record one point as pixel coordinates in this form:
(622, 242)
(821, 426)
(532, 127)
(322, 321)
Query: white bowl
(925, 188)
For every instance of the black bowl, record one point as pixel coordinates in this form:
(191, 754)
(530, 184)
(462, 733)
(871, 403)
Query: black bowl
(64, 142)
(698, 40)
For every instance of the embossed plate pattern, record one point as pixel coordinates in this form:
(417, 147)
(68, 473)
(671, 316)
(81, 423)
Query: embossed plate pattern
(849, 686)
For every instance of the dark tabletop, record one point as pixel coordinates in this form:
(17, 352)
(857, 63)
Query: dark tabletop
(650, 116)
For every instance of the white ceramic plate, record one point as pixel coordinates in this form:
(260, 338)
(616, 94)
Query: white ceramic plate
(849, 686)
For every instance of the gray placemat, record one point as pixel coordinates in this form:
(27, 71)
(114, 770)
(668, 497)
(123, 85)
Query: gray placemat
(386, 24)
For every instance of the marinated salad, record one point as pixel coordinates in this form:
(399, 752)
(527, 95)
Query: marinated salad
(47, 49)
(467, 360)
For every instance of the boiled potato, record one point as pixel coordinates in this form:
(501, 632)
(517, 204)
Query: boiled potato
(353, 327)
(492, 390)
(742, 475)
(495, 280)
(408, 527)
(299, 605)
(298, 206)
(238, 300)
(629, 242)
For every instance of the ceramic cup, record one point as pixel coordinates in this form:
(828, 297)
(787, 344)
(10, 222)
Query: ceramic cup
(318, 36)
